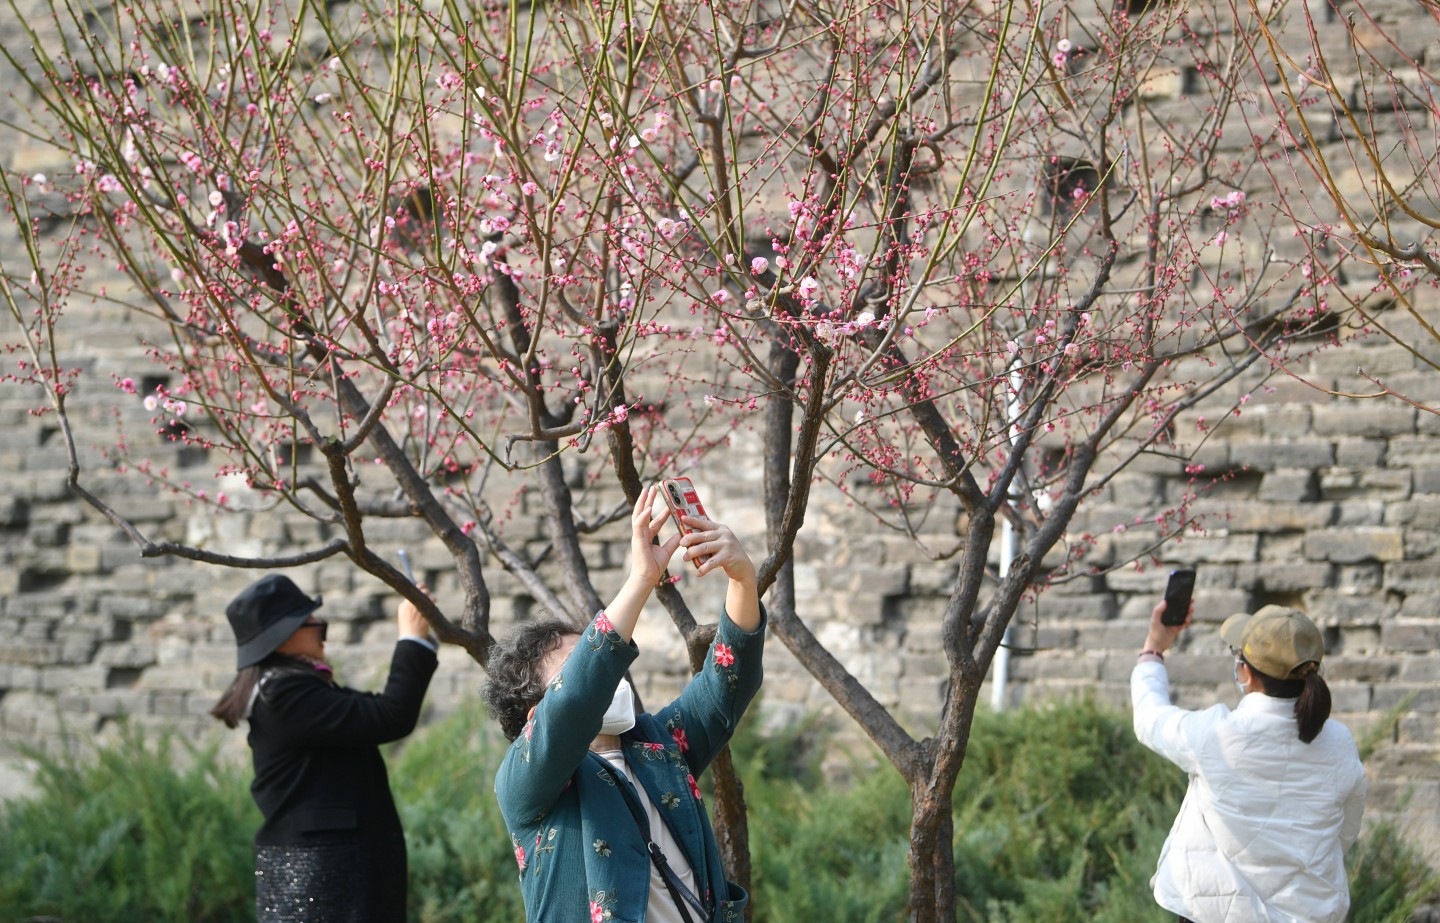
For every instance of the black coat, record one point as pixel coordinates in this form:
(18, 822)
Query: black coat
(319, 776)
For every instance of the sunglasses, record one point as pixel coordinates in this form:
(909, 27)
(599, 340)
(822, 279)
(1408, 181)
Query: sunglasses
(317, 623)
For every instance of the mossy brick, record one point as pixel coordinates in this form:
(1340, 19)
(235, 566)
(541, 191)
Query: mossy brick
(1357, 544)
(1411, 636)
(1367, 419)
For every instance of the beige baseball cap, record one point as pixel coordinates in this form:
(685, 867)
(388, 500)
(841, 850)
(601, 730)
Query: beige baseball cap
(1277, 640)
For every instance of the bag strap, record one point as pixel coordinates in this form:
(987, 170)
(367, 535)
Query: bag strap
(678, 892)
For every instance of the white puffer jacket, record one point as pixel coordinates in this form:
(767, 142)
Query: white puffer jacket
(1266, 821)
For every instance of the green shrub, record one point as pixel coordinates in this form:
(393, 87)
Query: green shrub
(140, 832)
(1059, 816)
(462, 866)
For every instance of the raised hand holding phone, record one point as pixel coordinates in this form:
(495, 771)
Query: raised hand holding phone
(1178, 593)
(682, 500)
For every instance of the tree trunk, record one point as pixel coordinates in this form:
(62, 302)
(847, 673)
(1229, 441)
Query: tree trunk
(728, 817)
(932, 853)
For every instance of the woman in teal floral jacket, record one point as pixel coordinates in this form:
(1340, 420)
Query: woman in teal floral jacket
(585, 775)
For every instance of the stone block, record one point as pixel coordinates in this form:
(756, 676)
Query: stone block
(1368, 419)
(1269, 456)
(1407, 451)
(1359, 512)
(1217, 546)
(1126, 635)
(1421, 668)
(1041, 667)
(1095, 607)
(1360, 453)
(1360, 669)
(83, 559)
(56, 679)
(1290, 485)
(1420, 512)
(130, 655)
(1360, 578)
(1413, 576)
(1276, 516)
(1188, 668)
(1358, 544)
(115, 703)
(1426, 698)
(1421, 606)
(1420, 637)
(29, 652)
(1281, 577)
(1383, 483)
(1425, 479)
(1342, 608)
(1351, 697)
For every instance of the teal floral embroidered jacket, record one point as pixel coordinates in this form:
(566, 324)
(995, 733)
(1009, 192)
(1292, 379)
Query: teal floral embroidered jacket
(581, 855)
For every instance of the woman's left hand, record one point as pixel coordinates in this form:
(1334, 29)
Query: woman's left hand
(648, 560)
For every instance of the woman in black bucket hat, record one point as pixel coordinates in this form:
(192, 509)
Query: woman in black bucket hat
(331, 847)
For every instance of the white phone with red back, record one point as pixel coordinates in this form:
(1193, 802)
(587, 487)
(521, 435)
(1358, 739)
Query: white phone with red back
(681, 498)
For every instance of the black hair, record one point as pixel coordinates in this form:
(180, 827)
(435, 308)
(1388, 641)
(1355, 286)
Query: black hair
(513, 684)
(235, 702)
(1311, 695)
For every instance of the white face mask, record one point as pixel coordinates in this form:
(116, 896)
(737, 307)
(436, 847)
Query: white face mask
(1236, 673)
(620, 716)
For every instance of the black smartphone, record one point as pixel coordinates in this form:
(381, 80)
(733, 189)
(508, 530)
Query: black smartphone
(1177, 596)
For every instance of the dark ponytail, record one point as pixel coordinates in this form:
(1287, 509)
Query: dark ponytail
(1313, 706)
(234, 705)
(1311, 695)
(236, 701)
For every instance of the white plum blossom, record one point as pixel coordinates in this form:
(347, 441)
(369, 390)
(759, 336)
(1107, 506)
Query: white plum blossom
(217, 198)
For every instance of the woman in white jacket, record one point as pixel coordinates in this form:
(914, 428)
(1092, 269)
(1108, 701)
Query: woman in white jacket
(1276, 787)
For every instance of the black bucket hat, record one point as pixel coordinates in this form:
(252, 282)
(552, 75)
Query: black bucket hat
(264, 614)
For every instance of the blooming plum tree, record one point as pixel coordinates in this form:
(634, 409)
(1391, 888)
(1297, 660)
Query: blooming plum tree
(1355, 97)
(391, 257)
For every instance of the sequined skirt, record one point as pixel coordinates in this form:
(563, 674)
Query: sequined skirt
(329, 883)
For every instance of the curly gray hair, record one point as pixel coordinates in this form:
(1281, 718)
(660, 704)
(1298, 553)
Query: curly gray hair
(513, 683)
